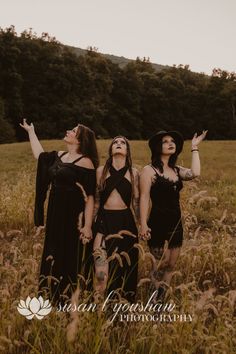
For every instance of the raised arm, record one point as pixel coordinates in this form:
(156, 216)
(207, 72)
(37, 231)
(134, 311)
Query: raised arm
(34, 141)
(195, 171)
(145, 186)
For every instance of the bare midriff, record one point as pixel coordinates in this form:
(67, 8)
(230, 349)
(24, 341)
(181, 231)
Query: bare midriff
(115, 202)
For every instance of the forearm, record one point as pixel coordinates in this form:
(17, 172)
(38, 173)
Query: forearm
(144, 206)
(96, 203)
(195, 165)
(35, 144)
(88, 212)
(136, 208)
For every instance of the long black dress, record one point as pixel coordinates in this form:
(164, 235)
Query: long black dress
(64, 257)
(122, 278)
(165, 216)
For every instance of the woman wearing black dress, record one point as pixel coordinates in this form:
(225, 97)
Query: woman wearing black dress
(162, 181)
(116, 258)
(67, 255)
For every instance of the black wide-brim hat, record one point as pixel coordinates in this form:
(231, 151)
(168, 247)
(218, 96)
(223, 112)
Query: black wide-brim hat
(178, 138)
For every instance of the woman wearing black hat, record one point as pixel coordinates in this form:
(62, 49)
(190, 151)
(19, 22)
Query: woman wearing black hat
(162, 181)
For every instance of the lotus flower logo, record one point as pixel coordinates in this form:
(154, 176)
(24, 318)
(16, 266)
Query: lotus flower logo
(34, 307)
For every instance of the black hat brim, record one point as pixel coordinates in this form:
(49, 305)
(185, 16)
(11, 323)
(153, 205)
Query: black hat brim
(178, 138)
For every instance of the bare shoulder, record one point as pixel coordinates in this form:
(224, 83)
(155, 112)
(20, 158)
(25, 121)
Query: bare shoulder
(182, 169)
(147, 171)
(146, 178)
(99, 171)
(85, 162)
(59, 153)
(185, 173)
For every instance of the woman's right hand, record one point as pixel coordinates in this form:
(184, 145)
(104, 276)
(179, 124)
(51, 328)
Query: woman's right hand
(36, 147)
(26, 126)
(145, 232)
(86, 234)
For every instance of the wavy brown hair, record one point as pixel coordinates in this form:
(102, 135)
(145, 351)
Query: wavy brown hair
(108, 162)
(87, 146)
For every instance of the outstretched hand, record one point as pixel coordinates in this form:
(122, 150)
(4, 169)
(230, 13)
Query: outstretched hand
(197, 139)
(26, 126)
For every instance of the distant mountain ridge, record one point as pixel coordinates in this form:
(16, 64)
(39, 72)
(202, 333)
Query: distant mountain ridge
(121, 61)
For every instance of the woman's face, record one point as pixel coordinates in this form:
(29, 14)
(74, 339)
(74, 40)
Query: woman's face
(168, 145)
(119, 146)
(71, 136)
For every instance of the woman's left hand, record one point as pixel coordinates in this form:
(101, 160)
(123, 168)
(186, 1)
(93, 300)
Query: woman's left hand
(197, 139)
(86, 234)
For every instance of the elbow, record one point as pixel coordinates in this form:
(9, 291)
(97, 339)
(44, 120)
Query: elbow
(36, 156)
(196, 174)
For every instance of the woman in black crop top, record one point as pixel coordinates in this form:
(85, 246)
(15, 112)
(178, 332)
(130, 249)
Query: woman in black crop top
(161, 181)
(72, 180)
(116, 258)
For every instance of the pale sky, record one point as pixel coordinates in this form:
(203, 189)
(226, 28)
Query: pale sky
(201, 33)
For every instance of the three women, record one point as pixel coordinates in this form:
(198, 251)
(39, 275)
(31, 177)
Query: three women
(72, 178)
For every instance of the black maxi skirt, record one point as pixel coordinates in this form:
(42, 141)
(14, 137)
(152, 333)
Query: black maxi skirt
(65, 259)
(120, 235)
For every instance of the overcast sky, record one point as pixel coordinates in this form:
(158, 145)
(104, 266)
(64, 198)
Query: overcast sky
(201, 33)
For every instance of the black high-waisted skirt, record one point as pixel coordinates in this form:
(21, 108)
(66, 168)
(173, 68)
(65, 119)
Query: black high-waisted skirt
(120, 235)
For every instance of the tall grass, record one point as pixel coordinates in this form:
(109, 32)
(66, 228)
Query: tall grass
(203, 285)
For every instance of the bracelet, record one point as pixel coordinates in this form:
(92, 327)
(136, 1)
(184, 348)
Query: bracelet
(194, 150)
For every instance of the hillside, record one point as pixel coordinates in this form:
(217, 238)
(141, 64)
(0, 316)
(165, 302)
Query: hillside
(121, 61)
(55, 87)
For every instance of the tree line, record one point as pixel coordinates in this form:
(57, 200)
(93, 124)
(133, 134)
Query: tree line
(45, 82)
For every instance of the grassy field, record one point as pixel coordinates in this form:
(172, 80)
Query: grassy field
(204, 284)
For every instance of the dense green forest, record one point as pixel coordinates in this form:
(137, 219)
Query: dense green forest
(47, 83)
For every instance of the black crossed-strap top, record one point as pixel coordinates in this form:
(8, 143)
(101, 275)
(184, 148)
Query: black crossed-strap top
(118, 181)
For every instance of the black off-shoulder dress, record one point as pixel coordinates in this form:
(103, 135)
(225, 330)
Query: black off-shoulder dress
(64, 257)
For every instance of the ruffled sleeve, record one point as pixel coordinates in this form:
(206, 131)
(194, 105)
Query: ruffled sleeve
(45, 160)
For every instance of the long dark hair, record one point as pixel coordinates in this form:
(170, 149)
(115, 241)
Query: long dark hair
(87, 146)
(156, 157)
(108, 162)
